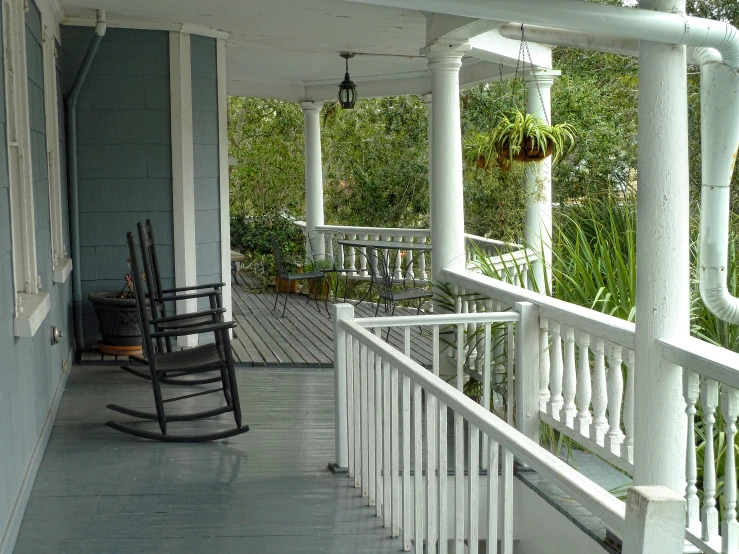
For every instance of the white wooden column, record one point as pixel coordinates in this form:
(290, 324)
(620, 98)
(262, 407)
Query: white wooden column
(428, 100)
(223, 172)
(662, 243)
(447, 208)
(538, 181)
(183, 171)
(313, 166)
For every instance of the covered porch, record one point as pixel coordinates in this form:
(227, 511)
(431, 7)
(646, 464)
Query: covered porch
(421, 465)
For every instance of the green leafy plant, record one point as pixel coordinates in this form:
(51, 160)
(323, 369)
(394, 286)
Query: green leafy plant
(519, 137)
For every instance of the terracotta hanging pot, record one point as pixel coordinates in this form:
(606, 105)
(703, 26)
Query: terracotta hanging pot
(528, 153)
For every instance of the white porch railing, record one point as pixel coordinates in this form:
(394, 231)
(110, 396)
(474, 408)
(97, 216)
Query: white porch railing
(391, 433)
(509, 259)
(589, 398)
(711, 380)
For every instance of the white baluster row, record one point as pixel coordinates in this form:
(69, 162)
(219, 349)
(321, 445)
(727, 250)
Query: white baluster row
(397, 436)
(702, 519)
(586, 390)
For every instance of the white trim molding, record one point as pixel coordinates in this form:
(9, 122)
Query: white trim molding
(223, 170)
(183, 172)
(53, 154)
(174, 27)
(62, 270)
(32, 310)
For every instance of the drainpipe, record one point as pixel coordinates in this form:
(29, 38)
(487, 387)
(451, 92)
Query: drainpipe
(74, 205)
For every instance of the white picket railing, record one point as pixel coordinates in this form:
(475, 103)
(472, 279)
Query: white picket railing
(711, 381)
(391, 433)
(586, 364)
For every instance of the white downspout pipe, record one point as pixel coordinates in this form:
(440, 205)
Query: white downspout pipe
(719, 143)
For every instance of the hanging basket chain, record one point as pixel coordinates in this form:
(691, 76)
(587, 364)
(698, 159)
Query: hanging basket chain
(525, 45)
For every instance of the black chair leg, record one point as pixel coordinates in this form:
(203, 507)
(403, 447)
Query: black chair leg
(277, 294)
(284, 306)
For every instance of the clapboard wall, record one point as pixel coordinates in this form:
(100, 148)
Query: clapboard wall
(125, 153)
(205, 158)
(31, 369)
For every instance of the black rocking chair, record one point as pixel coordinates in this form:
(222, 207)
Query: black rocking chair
(284, 275)
(158, 299)
(201, 359)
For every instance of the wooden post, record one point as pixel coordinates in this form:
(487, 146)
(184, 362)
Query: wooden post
(655, 521)
(341, 312)
(527, 370)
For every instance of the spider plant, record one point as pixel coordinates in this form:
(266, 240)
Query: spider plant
(520, 137)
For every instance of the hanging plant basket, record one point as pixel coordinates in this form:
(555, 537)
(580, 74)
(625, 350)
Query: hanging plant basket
(529, 152)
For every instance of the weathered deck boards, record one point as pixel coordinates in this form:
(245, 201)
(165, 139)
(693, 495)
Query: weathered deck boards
(268, 491)
(303, 338)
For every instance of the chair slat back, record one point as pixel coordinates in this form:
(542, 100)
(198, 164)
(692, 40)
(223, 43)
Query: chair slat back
(277, 251)
(140, 295)
(380, 272)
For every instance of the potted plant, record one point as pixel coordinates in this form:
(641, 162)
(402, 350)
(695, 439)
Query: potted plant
(118, 320)
(320, 289)
(520, 137)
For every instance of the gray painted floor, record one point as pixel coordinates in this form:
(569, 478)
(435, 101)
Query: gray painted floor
(268, 491)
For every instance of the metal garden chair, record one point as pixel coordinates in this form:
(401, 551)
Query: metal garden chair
(160, 297)
(393, 290)
(283, 274)
(216, 356)
(326, 255)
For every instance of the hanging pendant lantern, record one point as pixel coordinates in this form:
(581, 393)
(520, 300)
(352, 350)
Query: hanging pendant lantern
(347, 88)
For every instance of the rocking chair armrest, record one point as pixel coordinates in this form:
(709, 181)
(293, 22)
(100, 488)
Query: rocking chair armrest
(188, 315)
(199, 330)
(186, 296)
(195, 287)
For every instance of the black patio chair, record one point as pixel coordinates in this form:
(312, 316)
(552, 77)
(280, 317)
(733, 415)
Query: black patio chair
(285, 275)
(201, 359)
(325, 254)
(160, 297)
(393, 290)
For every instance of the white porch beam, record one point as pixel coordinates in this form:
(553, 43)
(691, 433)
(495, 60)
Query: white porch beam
(447, 211)
(313, 167)
(538, 183)
(442, 28)
(223, 166)
(183, 171)
(662, 247)
(492, 46)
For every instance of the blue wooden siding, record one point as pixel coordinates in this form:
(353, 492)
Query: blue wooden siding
(125, 152)
(30, 369)
(206, 161)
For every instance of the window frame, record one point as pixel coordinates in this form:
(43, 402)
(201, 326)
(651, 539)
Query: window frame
(31, 306)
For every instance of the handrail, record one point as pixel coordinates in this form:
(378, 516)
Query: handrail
(701, 357)
(416, 232)
(438, 319)
(595, 498)
(596, 323)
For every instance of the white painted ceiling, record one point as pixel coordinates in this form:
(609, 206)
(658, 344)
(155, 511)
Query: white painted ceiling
(289, 49)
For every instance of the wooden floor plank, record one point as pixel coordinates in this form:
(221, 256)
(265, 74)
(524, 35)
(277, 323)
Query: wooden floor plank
(304, 337)
(102, 492)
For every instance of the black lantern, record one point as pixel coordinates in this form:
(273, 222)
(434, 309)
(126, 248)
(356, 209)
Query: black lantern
(347, 88)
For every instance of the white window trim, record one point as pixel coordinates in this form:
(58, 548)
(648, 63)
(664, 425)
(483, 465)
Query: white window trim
(31, 306)
(60, 262)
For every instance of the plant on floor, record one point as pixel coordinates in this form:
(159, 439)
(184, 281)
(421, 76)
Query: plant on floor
(519, 137)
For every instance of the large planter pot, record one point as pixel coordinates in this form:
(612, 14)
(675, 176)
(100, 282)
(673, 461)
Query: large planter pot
(118, 323)
(286, 286)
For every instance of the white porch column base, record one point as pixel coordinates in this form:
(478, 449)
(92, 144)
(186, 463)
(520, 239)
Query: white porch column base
(447, 208)
(183, 171)
(662, 246)
(313, 167)
(538, 183)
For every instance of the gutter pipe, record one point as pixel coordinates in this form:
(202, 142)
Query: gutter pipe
(715, 47)
(74, 200)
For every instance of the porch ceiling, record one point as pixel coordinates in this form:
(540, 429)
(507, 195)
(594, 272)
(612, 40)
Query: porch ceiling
(289, 49)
